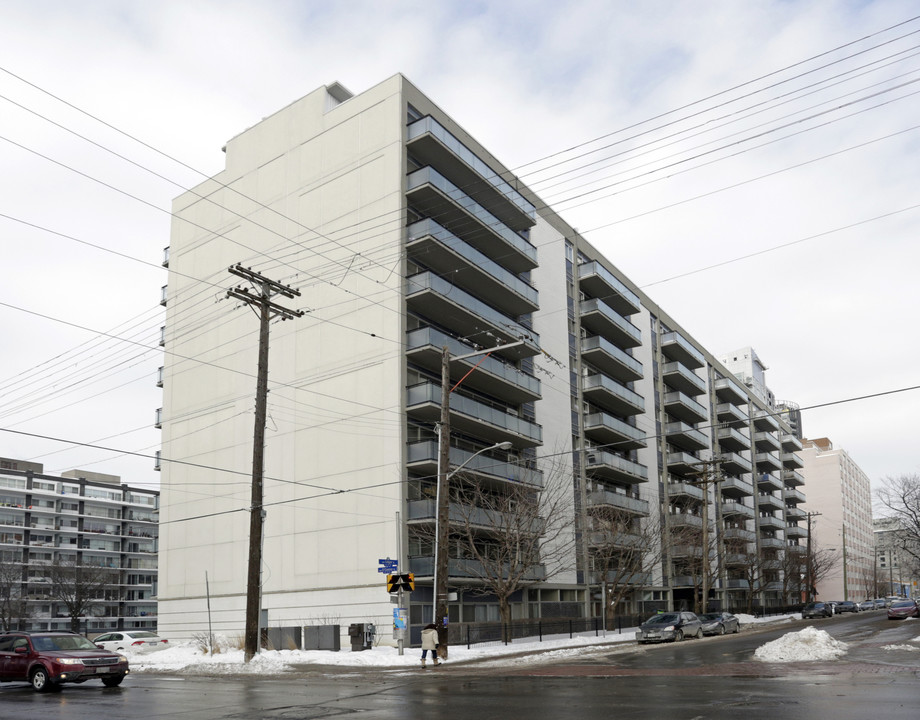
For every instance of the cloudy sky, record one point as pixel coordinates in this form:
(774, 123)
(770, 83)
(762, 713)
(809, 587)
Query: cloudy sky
(753, 166)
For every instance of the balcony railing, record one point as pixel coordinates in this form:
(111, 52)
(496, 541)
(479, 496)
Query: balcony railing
(686, 437)
(676, 347)
(606, 356)
(601, 283)
(684, 407)
(607, 465)
(612, 395)
(598, 317)
(435, 195)
(445, 253)
(423, 567)
(617, 500)
(492, 423)
(612, 431)
(426, 453)
(682, 378)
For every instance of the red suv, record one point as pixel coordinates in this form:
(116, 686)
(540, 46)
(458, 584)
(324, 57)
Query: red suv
(47, 659)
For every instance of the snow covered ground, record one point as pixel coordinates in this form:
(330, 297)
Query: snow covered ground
(188, 657)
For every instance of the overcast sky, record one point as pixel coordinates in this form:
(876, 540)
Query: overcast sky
(675, 135)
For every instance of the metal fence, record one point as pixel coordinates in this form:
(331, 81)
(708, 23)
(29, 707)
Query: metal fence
(537, 630)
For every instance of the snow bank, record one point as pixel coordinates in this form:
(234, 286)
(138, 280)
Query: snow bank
(901, 647)
(803, 646)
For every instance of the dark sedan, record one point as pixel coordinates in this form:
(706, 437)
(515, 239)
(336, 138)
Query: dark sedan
(719, 623)
(816, 610)
(902, 609)
(847, 606)
(674, 626)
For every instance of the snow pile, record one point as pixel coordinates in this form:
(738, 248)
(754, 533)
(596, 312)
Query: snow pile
(900, 647)
(805, 645)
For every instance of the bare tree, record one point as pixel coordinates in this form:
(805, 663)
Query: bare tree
(900, 496)
(623, 547)
(78, 587)
(689, 557)
(13, 603)
(511, 536)
(823, 562)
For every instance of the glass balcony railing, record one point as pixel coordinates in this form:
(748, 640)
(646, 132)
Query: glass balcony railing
(618, 500)
(624, 435)
(501, 323)
(625, 396)
(609, 464)
(475, 258)
(430, 176)
(497, 417)
(611, 359)
(609, 322)
(428, 336)
(602, 283)
(429, 125)
(427, 450)
(677, 347)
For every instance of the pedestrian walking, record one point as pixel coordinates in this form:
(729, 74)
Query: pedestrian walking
(430, 642)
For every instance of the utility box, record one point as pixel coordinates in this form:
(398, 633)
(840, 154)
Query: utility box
(322, 637)
(362, 636)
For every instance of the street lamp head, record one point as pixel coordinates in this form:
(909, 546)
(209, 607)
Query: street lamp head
(506, 445)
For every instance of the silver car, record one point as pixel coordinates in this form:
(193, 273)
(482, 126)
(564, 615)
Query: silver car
(672, 626)
(719, 623)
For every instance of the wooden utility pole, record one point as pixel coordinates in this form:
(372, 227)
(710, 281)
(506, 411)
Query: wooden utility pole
(443, 509)
(709, 473)
(809, 562)
(267, 310)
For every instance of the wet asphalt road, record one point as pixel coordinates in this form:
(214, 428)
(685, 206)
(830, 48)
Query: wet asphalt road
(692, 680)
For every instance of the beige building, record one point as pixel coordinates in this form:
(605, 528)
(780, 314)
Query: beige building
(840, 491)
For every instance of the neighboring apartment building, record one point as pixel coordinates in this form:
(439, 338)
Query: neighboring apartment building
(840, 491)
(896, 570)
(78, 518)
(404, 235)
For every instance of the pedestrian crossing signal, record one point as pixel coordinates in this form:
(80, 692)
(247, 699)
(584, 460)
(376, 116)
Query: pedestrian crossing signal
(395, 583)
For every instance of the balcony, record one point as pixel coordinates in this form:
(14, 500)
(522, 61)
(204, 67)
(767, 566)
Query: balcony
(636, 579)
(432, 296)
(685, 520)
(683, 580)
(607, 538)
(737, 584)
(609, 466)
(163, 295)
(685, 551)
(610, 359)
(768, 542)
(732, 509)
(770, 502)
(766, 441)
(728, 391)
(732, 439)
(676, 347)
(620, 501)
(613, 396)
(767, 461)
(459, 569)
(684, 407)
(795, 513)
(597, 281)
(790, 442)
(770, 521)
(436, 197)
(491, 424)
(791, 494)
(797, 549)
(791, 460)
(433, 144)
(795, 531)
(766, 421)
(158, 418)
(165, 262)
(685, 437)
(469, 269)
(681, 463)
(767, 482)
(731, 416)
(483, 518)
(684, 489)
(735, 464)
(608, 430)
(492, 376)
(680, 377)
(601, 319)
(423, 457)
(791, 477)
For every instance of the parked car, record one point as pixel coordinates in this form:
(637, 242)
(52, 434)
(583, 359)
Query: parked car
(847, 606)
(867, 605)
(719, 623)
(816, 610)
(832, 604)
(674, 626)
(48, 659)
(881, 603)
(133, 640)
(903, 609)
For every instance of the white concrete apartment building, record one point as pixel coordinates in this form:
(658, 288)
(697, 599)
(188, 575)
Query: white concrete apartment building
(82, 518)
(840, 491)
(404, 235)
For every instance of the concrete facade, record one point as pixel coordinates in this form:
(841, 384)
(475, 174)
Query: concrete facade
(841, 492)
(403, 235)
